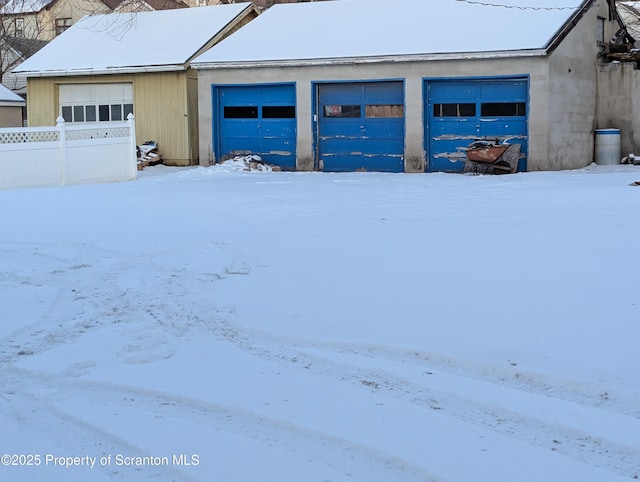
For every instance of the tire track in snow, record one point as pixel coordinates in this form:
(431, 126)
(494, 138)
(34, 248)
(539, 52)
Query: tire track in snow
(590, 449)
(53, 431)
(90, 294)
(507, 375)
(360, 462)
(106, 299)
(103, 297)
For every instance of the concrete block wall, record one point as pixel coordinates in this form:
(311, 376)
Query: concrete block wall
(619, 103)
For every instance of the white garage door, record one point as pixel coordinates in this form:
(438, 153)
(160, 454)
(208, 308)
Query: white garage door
(96, 102)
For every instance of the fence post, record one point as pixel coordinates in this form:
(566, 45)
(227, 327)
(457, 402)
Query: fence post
(134, 147)
(62, 155)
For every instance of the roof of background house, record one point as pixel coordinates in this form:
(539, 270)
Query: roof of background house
(630, 13)
(347, 29)
(9, 98)
(166, 4)
(151, 4)
(112, 4)
(25, 47)
(132, 42)
(20, 7)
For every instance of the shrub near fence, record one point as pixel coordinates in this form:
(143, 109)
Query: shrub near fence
(68, 154)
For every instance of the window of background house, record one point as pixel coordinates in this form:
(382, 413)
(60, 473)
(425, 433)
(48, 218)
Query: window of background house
(19, 27)
(62, 24)
(600, 33)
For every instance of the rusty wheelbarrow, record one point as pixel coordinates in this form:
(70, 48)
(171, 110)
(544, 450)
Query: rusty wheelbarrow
(488, 154)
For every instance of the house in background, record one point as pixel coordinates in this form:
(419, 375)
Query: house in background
(145, 5)
(46, 19)
(106, 66)
(405, 85)
(259, 3)
(14, 51)
(629, 12)
(25, 25)
(11, 106)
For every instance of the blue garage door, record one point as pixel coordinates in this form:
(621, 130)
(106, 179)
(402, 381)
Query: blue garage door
(462, 111)
(361, 126)
(258, 120)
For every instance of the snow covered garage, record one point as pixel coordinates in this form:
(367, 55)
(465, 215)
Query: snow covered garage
(11, 106)
(403, 85)
(106, 66)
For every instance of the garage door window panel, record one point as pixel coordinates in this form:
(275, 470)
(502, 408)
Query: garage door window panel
(240, 112)
(466, 109)
(116, 112)
(384, 111)
(67, 113)
(103, 113)
(78, 113)
(90, 113)
(503, 109)
(342, 111)
(279, 112)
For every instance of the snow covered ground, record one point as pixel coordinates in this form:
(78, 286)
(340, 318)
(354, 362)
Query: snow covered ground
(211, 324)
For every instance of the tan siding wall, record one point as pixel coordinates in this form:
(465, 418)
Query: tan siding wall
(42, 101)
(160, 107)
(162, 114)
(10, 116)
(192, 105)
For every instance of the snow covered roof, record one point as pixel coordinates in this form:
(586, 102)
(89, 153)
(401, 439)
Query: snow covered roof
(138, 5)
(19, 7)
(132, 42)
(343, 29)
(630, 13)
(9, 98)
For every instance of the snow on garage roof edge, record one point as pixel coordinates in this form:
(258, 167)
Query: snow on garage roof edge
(375, 30)
(8, 97)
(160, 40)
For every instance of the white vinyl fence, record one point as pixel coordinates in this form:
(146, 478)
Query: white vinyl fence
(68, 154)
